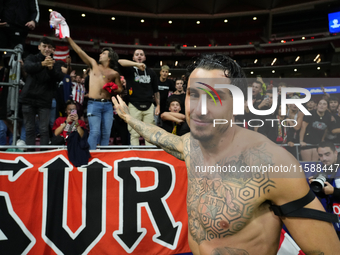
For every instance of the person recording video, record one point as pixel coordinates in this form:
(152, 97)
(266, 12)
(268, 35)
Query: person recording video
(64, 126)
(326, 183)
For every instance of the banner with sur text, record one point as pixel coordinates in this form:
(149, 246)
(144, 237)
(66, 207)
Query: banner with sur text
(122, 202)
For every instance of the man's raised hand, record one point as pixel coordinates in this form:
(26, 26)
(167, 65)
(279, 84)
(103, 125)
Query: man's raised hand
(141, 66)
(121, 108)
(57, 21)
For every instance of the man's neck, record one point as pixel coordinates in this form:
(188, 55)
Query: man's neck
(162, 79)
(105, 65)
(255, 95)
(293, 111)
(178, 92)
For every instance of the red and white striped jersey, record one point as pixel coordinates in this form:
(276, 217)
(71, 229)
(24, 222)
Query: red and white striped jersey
(288, 245)
(78, 92)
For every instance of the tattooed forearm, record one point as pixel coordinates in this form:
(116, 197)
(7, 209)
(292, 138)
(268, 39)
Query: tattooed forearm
(172, 144)
(174, 153)
(229, 251)
(157, 98)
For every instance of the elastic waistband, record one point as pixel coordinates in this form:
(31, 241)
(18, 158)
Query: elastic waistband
(99, 100)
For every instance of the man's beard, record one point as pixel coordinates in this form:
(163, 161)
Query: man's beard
(202, 138)
(208, 137)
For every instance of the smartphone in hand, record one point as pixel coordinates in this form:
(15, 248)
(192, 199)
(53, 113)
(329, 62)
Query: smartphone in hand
(74, 112)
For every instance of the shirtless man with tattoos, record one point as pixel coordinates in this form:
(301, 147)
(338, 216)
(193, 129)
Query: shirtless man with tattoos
(232, 213)
(104, 82)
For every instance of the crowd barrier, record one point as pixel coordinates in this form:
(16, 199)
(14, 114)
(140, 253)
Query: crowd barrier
(14, 82)
(122, 202)
(25, 147)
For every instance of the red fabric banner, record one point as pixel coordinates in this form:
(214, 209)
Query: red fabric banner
(127, 201)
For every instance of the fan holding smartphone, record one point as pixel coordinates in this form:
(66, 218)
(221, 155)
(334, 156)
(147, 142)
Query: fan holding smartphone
(63, 126)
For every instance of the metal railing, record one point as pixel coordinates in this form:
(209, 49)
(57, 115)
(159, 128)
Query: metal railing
(24, 147)
(110, 147)
(296, 145)
(16, 68)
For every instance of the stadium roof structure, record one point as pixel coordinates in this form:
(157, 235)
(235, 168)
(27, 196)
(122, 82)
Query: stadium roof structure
(193, 9)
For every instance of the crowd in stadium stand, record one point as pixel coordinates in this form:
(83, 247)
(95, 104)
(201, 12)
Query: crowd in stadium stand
(61, 88)
(295, 128)
(71, 91)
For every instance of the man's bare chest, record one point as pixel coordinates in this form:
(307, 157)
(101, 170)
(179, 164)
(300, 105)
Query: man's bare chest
(221, 198)
(104, 75)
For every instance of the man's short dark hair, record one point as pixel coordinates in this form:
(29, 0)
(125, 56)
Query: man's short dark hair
(138, 49)
(325, 144)
(333, 98)
(46, 40)
(113, 57)
(173, 99)
(224, 63)
(112, 54)
(258, 82)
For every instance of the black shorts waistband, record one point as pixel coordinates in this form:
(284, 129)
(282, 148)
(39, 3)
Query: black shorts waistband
(99, 100)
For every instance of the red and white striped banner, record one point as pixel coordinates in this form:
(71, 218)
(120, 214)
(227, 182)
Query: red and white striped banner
(61, 52)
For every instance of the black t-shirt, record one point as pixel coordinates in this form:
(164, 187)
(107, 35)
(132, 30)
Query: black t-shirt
(271, 130)
(316, 126)
(140, 85)
(258, 98)
(335, 138)
(164, 87)
(180, 129)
